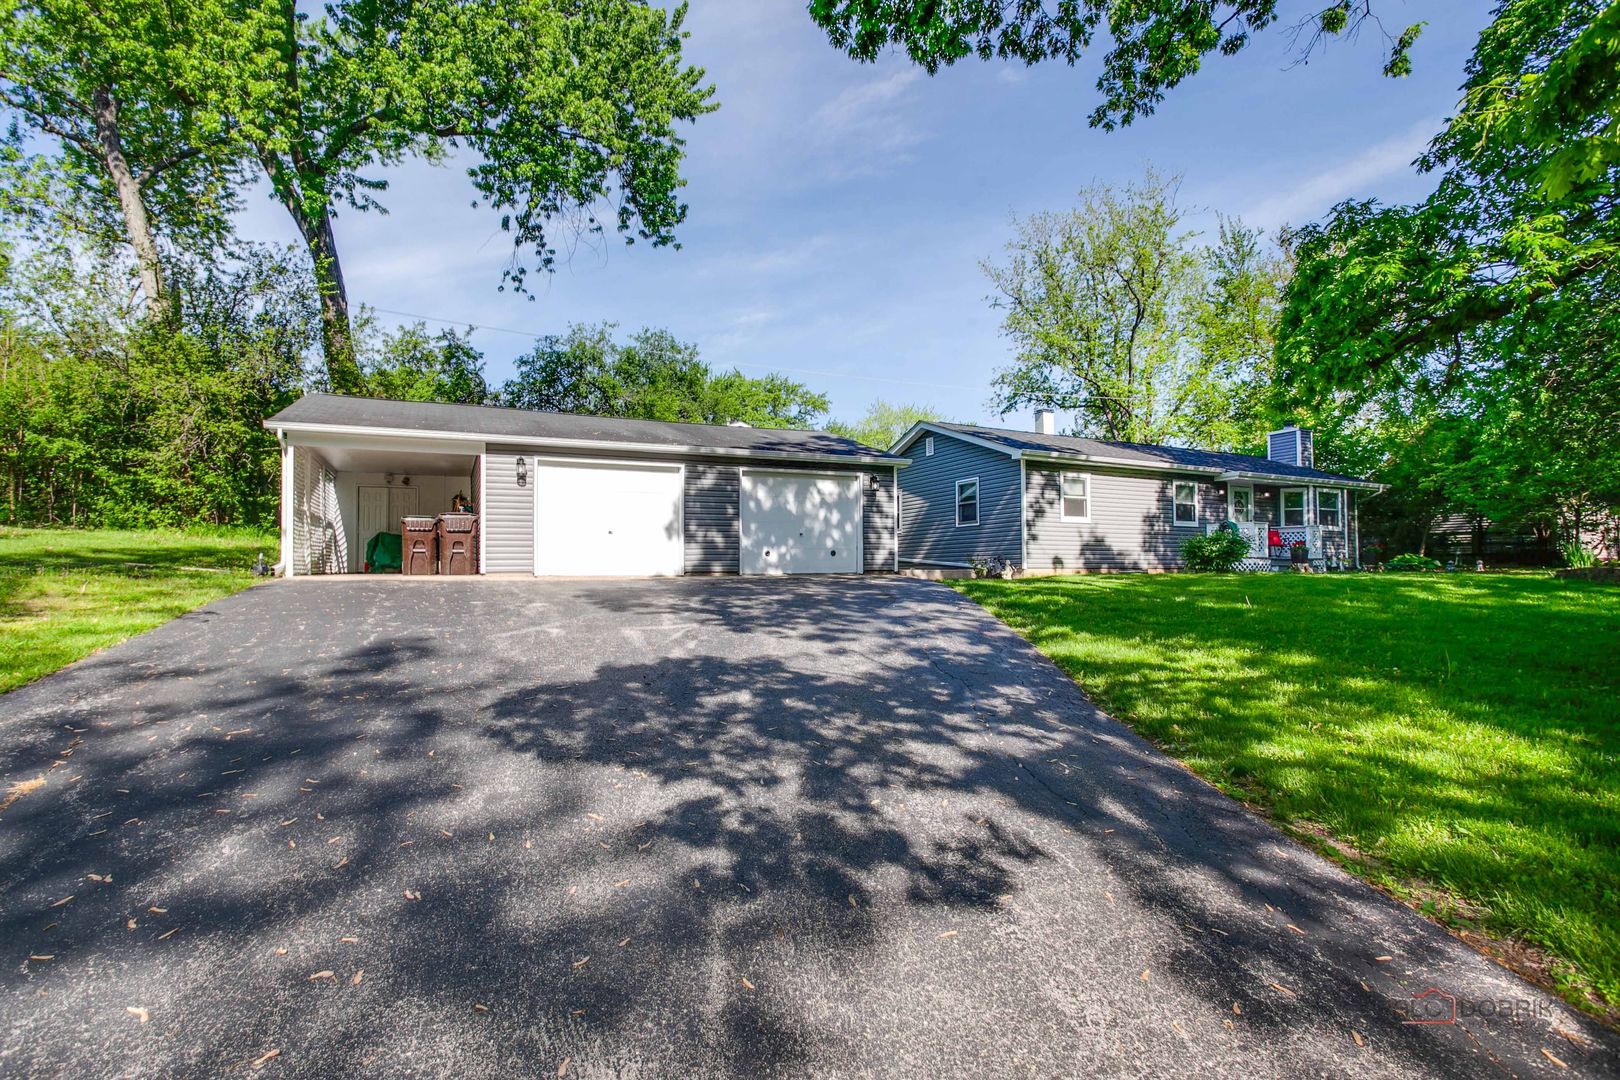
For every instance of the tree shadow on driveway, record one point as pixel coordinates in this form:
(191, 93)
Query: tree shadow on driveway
(716, 828)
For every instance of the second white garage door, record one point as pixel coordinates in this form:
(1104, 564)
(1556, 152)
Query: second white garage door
(800, 523)
(611, 518)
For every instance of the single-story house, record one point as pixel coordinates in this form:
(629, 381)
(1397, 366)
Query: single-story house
(1049, 503)
(560, 494)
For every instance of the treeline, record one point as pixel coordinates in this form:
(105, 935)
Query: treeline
(111, 418)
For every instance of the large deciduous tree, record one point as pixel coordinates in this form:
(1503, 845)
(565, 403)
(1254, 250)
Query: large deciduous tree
(1153, 47)
(653, 376)
(129, 154)
(1121, 319)
(1498, 295)
(557, 106)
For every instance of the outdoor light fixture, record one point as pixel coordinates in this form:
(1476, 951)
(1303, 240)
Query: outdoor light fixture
(522, 473)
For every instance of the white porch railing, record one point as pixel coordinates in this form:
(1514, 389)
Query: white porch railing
(1258, 535)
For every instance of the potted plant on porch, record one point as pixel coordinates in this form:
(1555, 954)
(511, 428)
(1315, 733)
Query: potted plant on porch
(1297, 553)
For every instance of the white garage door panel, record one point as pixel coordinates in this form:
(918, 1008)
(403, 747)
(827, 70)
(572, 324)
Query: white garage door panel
(797, 523)
(607, 519)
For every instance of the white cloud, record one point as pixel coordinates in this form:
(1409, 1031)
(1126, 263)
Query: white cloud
(1311, 197)
(864, 129)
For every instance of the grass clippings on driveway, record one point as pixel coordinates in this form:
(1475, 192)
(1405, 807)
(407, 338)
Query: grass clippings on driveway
(1455, 739)
(65, 593)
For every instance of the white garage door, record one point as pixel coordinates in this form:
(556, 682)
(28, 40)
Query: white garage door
(597, 519)
(800, 523)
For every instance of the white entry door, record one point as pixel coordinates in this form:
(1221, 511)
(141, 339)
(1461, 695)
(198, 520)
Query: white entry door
(800, 523)
(616, 518)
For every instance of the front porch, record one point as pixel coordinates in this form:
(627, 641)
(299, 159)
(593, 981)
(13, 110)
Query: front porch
(1271, 547)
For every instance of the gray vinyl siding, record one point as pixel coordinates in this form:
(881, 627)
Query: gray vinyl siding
(711, 518)
(929, 535)
(1132, 524)
(878, 535)
(507, 520)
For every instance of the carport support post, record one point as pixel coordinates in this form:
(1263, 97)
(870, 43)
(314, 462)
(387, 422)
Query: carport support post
(286, 504)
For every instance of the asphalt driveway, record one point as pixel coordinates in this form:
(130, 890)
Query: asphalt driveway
(838, 827)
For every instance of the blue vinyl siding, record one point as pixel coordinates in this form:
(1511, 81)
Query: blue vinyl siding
(929, 535)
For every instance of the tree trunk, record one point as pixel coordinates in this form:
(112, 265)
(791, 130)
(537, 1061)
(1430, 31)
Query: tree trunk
(130, 202)
(337, 334)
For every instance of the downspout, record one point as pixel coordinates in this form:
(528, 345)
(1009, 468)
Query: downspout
(1023, 514)
(894, 473)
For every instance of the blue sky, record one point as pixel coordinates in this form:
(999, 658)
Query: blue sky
(839, 211)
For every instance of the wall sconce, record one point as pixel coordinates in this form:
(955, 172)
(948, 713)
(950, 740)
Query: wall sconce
(522, 473)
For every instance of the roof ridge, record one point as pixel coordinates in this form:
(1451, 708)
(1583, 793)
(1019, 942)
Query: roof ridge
(583, 416)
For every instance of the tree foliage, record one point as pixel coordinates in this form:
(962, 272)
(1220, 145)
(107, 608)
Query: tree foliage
(1153, 47)
(653, 376)
(409, 364)
(127, 158)
(108, 418)
(1123, 320)
(1485, 314)
(883, 423)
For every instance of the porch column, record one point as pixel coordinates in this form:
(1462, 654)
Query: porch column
(286, 505)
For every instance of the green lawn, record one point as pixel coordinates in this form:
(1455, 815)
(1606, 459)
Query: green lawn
(1454, 738)
(64, 593)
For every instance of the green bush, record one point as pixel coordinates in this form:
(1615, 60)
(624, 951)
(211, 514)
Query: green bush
(1219, 551)
(1577, 554)
(1412, 562)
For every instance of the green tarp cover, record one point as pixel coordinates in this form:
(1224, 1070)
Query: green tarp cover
(383, 553)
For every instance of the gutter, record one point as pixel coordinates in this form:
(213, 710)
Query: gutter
(1299, 481)
(588, 444)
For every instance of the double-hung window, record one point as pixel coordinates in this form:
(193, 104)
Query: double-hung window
(967, 502)
(1293, 506)
(1329, 513)
(1186, 499)
(1076, 496)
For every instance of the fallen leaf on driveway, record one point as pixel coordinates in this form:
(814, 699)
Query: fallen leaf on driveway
(1281, 989)
(562, 1070)
(323, 975)
(1553, 1059)
(138, 1013)
(480, 1008)
(259, 1062)
(62, 901)
(1237, 1010)
(1356, 1035)
(1381, 959)
(746, 984)
(348, 941)
(1145, 975)
(52, 956)
(581, 963)
(621, 884)
(157, 911)
(1295, 929)
(623, 943)
(357, 977)
(167, 934)
(948, 933)
(852, 901)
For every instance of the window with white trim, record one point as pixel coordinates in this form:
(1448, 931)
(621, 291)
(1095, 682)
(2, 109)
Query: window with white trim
(967, 502)
(1186, 499)
(928, 446)
(1293, 506)
(1075, 496)
(1328, 509)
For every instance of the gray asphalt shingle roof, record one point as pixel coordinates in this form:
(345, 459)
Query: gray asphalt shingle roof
(495, 424)
(1146, 453)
